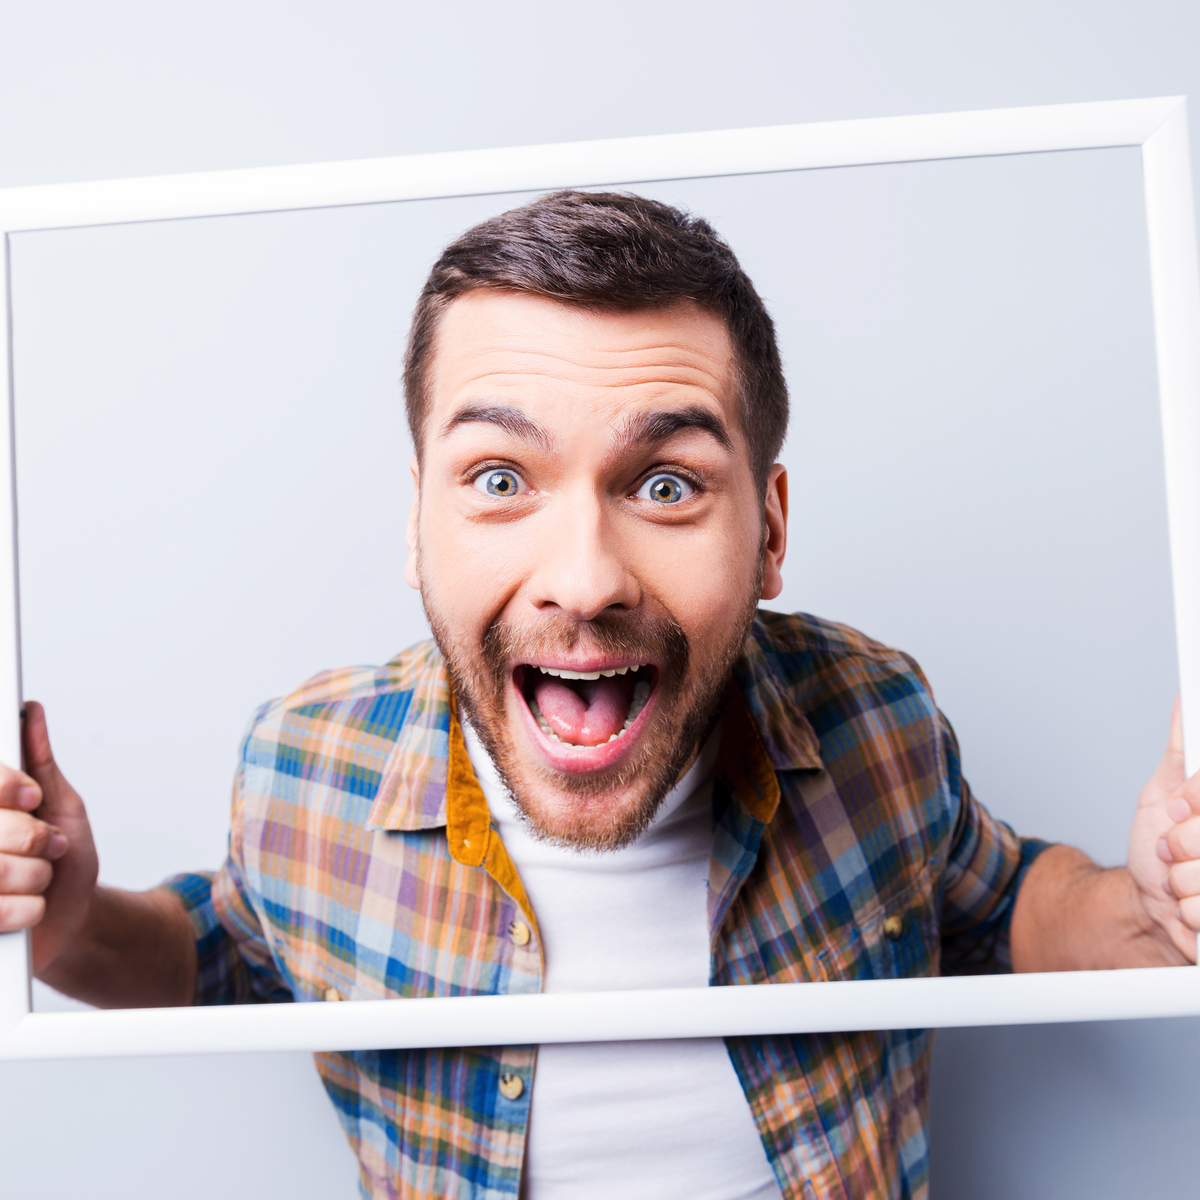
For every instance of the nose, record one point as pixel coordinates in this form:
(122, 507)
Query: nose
(581, 569)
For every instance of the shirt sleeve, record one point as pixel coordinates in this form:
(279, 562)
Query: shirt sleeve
(235, 964)
(985, 867)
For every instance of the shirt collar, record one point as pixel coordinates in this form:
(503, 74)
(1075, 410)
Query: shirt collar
(412, 791)
(790, 742)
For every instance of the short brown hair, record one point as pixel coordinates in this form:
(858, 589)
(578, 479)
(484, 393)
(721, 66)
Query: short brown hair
(610, 250)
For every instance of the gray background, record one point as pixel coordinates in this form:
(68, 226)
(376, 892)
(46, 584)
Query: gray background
(213, 475)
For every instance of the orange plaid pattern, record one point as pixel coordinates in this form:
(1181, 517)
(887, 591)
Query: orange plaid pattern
(846, 845)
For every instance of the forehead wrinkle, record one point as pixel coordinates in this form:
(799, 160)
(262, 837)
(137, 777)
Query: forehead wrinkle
(608, 378)
(656, 356)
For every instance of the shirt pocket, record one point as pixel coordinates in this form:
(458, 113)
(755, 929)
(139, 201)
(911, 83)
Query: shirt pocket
(892, 935)
(899, 929)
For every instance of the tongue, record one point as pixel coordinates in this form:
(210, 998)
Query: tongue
(584, 712)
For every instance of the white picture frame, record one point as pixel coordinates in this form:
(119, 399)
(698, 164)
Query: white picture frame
(1157, 126)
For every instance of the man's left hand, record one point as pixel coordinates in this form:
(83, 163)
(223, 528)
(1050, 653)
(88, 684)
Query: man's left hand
(1164, 846)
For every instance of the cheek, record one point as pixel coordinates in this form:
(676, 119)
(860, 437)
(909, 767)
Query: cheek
(467, 576)
(704, 581)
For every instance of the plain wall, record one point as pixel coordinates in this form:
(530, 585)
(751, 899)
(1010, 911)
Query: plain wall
(213, 465)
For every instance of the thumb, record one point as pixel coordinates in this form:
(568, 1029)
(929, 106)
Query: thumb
(39, 761)
(1169, 774)
(1175, 741)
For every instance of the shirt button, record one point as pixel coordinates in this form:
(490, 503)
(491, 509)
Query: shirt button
(512, 1087)
(331, 994)
(894, 927)
(519, 932)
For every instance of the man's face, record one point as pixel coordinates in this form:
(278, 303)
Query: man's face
(590, 546)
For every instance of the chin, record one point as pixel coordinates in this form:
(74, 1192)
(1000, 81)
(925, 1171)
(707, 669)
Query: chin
(595, 823)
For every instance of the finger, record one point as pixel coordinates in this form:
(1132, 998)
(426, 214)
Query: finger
(1185, 803)
(24, 876)
(1184, 799)
(1183, 880)
(30, 838)
(18, 790)
(1189, 912)
(20, 912)
(1183, 840)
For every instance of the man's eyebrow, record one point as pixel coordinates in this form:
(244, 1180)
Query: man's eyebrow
(649, 428)
(512, 420)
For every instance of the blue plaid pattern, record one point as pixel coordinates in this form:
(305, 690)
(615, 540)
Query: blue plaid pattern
(846, 845)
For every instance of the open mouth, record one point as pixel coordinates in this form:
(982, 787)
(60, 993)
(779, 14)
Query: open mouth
(583, 710)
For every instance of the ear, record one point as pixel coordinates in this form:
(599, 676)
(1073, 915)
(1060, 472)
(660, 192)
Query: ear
(411, 575)
(775, 532)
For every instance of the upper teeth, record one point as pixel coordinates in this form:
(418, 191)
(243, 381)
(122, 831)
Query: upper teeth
(564, 674)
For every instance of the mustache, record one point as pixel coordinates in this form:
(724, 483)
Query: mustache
(633, 636)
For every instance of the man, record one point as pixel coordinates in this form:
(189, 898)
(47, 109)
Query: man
(608, 770)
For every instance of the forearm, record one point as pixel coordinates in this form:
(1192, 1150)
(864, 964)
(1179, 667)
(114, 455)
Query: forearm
(1072, 915)
(135, 950)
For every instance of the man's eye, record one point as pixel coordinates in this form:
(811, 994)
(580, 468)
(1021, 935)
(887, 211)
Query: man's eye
(501, 483)
(665, 489)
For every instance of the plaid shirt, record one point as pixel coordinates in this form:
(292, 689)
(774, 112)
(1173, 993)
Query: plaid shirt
(846, 845)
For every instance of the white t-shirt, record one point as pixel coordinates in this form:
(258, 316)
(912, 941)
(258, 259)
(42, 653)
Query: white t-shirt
(631, 1119)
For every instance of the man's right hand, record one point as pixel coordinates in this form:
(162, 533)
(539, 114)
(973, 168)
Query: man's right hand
(48, 862)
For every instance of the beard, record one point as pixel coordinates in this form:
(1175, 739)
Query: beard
(606, 809)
